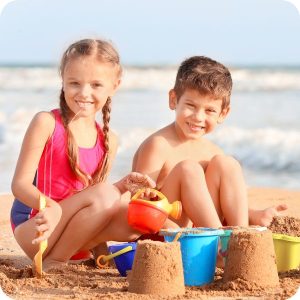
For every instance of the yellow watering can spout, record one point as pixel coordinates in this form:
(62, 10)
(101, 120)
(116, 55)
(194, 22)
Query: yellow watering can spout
(176, 210)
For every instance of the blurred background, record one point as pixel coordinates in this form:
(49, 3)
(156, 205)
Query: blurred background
(257, 39)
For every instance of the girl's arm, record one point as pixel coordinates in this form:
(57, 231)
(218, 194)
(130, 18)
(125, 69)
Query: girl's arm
(38, 132)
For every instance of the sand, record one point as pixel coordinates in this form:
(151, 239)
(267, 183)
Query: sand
(87, 282)
(251, 257)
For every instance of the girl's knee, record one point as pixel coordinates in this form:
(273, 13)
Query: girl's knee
(106, 197)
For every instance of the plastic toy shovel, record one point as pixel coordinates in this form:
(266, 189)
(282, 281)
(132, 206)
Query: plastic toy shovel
(106, 258)
(38, 258)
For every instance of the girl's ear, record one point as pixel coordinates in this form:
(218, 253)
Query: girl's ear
(223, 114)
(115, 87)
(172, 99)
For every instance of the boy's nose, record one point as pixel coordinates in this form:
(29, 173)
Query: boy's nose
(199, 115)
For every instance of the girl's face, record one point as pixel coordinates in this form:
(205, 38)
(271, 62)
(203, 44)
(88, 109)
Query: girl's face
(196, 114)
(87, 83)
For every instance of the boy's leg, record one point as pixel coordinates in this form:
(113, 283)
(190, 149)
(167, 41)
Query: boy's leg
(186, 182)
(82, 213)
(227, 188)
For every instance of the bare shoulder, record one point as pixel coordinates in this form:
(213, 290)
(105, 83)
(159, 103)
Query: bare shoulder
(156, 142)
(152, 154)
(43, 121)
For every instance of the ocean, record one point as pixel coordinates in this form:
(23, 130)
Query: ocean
(262, 130)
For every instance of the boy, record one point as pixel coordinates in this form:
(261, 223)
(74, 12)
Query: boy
(188, 167)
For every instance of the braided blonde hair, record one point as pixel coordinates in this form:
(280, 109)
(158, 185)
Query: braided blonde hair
(104, 52)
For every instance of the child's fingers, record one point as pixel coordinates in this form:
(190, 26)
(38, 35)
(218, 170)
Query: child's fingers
(39, 239)
(42, 228)
(151, 182)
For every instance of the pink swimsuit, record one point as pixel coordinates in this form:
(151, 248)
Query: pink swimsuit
(54, 176)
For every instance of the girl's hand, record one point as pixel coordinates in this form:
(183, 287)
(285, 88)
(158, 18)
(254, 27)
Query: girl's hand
(46, 221)
(135, 181)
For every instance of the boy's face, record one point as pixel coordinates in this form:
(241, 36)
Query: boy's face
(196, 114)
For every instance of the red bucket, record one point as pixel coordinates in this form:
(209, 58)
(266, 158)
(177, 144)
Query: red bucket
(145, 217)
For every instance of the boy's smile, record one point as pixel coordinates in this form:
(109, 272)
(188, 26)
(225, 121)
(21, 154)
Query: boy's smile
(196, 114)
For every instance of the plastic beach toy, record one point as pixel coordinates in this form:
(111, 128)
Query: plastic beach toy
(107, 258)
(149, 216)
(287, 251)
(199, 248)
(123, 255)
(38, 258)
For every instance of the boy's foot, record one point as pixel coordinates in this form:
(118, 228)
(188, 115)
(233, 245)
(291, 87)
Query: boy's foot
(264, 217)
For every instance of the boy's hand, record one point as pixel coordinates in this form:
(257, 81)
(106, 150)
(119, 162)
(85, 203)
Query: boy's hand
(46, 221)
(136, 181)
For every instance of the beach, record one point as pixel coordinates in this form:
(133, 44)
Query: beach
(84, 281)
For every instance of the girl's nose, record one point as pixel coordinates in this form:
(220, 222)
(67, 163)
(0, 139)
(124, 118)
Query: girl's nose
(85, 91)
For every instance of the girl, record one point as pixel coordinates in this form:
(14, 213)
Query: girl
(66, 156)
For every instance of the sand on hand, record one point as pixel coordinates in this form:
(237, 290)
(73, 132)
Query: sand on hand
(251, 257)
(157, 269)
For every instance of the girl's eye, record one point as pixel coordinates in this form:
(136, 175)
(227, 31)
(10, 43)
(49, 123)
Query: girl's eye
(74, 83)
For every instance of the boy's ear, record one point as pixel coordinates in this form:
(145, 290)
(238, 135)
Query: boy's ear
(172, 99)
(223, 114)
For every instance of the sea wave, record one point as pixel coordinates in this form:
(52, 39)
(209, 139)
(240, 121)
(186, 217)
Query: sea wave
(245, 79)
(262, 149)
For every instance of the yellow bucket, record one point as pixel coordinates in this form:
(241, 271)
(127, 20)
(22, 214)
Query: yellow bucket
(287, 250)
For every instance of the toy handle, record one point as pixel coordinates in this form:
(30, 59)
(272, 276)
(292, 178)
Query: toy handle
(158, 193)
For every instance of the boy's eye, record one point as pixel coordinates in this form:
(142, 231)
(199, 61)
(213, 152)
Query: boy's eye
(211, 110)
(190, 105)
(96, 85)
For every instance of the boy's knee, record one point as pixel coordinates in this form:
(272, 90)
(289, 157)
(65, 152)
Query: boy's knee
(190, 167)
(225, 163)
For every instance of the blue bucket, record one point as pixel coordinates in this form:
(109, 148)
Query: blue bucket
(199, 249)
(124, 261)
(225, 240)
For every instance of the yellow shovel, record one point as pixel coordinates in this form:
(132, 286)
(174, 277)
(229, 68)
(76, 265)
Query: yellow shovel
(38, 258)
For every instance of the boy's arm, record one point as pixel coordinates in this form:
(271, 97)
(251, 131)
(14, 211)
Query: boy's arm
(150, 157)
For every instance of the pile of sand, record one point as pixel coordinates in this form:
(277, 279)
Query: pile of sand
(251, 259)
(157, 269)
(285, 225)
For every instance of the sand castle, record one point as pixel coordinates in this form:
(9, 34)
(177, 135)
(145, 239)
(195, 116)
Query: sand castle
(251, 257)
(157, 269)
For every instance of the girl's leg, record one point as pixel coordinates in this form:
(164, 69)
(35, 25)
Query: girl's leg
(83, 215)
(117, 229)
(186, 183)
(225, 182)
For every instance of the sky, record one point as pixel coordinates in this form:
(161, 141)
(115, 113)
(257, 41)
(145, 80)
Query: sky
(154, 32)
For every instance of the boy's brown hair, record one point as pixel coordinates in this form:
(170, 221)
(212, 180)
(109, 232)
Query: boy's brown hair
(205, 75)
